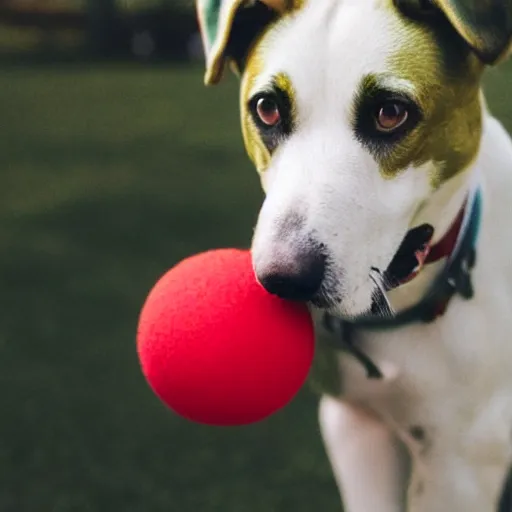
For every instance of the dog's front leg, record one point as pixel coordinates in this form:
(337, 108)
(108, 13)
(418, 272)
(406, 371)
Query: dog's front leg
(370, 466)
(445, 481)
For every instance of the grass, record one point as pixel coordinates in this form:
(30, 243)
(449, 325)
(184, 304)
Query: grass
(110, 175)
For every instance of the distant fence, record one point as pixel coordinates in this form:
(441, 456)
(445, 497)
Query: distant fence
(159, 32)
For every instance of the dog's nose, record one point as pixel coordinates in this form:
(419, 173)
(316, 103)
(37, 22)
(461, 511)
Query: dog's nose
(296, 279)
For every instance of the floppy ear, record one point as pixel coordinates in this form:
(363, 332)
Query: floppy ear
(228, 27)
(486, 25)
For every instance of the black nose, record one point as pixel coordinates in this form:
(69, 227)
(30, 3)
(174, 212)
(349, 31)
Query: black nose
(298, 279)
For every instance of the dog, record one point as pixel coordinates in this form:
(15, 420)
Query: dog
(388, 199)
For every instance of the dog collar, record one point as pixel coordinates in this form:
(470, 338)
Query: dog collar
(459, 245)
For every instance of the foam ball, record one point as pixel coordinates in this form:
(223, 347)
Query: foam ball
(216, 347)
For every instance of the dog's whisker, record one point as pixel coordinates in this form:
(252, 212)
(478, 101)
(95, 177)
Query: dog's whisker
(387, 282)
(381, 302)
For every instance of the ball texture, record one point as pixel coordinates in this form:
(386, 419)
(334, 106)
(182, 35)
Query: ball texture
(216, 347)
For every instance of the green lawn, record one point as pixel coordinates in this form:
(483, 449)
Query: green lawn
(110, 176)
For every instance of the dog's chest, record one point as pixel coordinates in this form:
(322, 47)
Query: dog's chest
(445, 385)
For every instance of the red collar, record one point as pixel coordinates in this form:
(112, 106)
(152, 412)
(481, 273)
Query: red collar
(446, 245)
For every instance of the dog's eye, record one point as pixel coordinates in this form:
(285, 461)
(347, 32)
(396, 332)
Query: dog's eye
(272, 114)
(268, 111)
(390, 116)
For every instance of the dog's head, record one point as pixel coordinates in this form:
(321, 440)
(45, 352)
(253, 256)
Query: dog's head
(354, 112)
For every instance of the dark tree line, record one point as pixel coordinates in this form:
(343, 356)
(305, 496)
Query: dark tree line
(111, 31)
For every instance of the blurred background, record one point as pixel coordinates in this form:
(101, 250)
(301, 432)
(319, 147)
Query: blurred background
(116, 163)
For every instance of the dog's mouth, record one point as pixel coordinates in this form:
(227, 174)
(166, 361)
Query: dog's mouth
(327, 297)
(410, 257)
(407, 262)
(405, 266)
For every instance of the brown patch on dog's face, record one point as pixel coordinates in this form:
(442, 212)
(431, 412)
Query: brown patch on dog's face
(446, 75)
(256, 149)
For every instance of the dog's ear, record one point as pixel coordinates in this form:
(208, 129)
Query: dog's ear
(229, 27)
(486, 25)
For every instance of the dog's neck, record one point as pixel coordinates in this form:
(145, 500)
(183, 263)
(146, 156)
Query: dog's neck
(440, 211)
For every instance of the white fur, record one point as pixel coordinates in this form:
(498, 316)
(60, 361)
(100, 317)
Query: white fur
(452, 377)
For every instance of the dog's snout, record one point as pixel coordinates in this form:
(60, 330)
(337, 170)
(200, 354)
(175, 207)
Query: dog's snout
(299, 278)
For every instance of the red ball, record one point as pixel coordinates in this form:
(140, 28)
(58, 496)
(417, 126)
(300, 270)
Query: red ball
(216, 347)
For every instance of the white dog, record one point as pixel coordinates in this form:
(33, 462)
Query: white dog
(385, 175)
